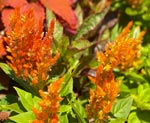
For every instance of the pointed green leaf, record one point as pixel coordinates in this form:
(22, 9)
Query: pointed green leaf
(79, 12)
(21, 82)
(135, 77)
(133, 118)
(81, 44)
(67, 85)
(89, 24)
(121, 107)
(79, 108)
(63, 118)
(26, 117)
(13, 107)
(131, 12)
(65, 108)
(27, 99)
(58, 29)
(139, 116)
(142, 100)
(79, 111)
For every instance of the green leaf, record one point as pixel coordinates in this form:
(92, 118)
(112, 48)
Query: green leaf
(13, 107)
(78, 106)
(49, 15)
(58, 29)
(67, 85)
(1, 87)
(118, 120)
(26, 117)
(27, 99)
(114, 32)
(63, 46)
(79, 111)
(131, 12)
(146, 16)
(135, 77)
(21, 82)
(81, 44)
(58, 32)
(89, 24)
(3, 101)
(9, 121)
(63, 118)
(133, 118)
(139, 116)
(121, 107)
(142, 100)
(79, 12)
(64, 108)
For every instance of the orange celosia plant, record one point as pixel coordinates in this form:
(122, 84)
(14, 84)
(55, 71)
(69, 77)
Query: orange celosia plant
(49, 104)
(122, 53)
(30, 50)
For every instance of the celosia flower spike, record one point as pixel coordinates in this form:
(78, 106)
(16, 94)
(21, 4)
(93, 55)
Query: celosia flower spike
(122, 54)
(49, 104)
(2, 49)
(31, 51)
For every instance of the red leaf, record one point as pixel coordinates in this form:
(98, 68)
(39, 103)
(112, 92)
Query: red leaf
(15, 3)
(63, 9)
(37, 8)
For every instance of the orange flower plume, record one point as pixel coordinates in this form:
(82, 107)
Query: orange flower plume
(122, 54)
(2, 49)
(30, 50)
(49, 104)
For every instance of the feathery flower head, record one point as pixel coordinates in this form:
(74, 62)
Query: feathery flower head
(103, 97)
(31, 50)
(122, 53)
(49, 104)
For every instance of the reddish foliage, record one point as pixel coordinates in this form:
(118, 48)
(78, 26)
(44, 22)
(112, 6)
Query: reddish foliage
(38, 10)
(15, 3)
(63, 9)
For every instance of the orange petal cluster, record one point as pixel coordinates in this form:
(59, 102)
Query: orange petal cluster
(2, 49)
(121, 54)
(30, 50)
(103, 97)
(10, 5)
(49, 104)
